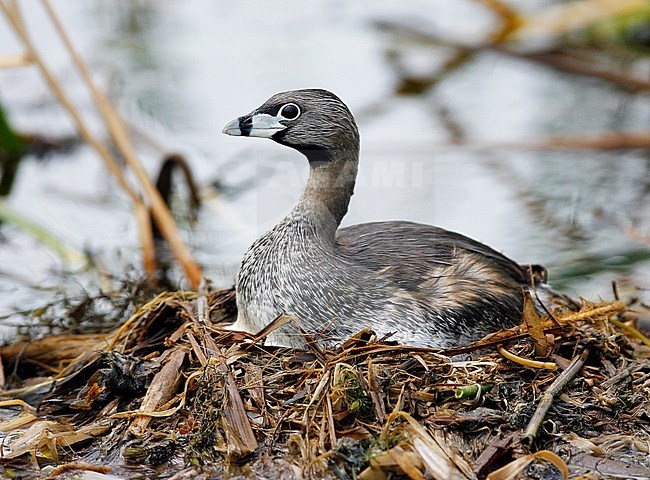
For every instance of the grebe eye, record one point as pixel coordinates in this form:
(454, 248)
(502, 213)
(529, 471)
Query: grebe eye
(290, 111)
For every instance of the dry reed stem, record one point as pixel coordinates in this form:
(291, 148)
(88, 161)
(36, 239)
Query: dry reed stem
(118, 132)
(162, 388)
(17, 60)
(52, 350)
(605, 140)
(331, 428)
(591, 141)
(591, 313)
(12, 13)
(143, 219)
(196, 348)
(238, 425)
(161, 213)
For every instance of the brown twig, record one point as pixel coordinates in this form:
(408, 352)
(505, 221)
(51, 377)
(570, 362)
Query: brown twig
(495, 449)
(75, 466)
(562, 62)
(509, 19)
(555, 60)
(547, 399)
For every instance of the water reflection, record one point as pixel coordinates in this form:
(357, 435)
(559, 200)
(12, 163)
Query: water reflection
(181, 71)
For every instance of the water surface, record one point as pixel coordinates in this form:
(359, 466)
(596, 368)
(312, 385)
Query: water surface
(181, 70)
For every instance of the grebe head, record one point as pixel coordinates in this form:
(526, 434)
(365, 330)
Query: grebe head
(313, 121)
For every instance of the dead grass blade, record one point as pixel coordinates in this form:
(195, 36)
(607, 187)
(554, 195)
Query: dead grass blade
(439, 461)
(37, 440)
(514, 468)
(526, 362)
(25, 417)
(54, 351)
(633, 332)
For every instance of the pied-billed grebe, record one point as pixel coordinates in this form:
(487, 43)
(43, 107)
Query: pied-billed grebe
(425, 285)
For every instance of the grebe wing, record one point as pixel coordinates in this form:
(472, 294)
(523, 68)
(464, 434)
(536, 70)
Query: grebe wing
(410, 254)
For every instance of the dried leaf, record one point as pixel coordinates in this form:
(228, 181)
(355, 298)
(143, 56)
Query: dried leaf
(37, 440)
(534, 324)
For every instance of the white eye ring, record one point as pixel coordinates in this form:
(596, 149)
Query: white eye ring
(280, 114)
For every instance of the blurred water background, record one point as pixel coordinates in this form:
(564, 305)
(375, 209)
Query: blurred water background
(180, 70)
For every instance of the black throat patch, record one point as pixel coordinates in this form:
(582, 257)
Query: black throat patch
(316, 154)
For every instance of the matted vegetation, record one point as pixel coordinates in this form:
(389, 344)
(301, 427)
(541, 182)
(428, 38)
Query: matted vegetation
(170, 392)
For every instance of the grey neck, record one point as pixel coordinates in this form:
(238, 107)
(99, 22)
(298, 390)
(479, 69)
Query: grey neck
(325, 200)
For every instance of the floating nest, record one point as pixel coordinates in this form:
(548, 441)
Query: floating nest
(169, 393)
